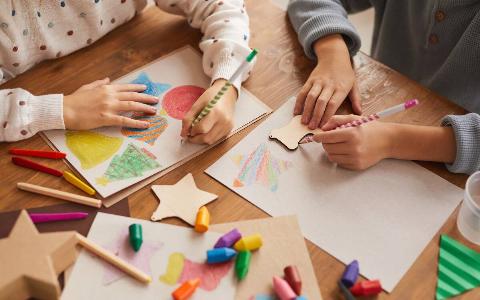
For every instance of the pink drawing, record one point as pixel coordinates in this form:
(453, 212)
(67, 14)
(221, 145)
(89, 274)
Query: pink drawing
(178, 101)
(210, 275)
(121, 248)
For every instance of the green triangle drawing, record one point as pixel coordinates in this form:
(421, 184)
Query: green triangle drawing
(458, 268)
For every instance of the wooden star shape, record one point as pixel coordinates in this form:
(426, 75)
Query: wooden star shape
(290, 134)
(31, 261)
(181, 200)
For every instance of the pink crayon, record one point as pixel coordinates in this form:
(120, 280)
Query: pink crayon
(52, 217)
(228, 239)
(384, 113)
(283, 289)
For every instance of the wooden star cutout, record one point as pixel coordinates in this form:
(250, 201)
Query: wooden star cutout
(290, 134)
(181, 200)
(31, 261)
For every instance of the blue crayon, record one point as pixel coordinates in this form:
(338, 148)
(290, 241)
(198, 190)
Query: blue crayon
(219, 255)
(350, 274)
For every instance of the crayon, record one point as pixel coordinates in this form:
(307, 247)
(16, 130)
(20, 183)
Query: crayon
(22, 162)
(350, 274)
(219, 255)
(346, 292)
(292, 276)
(52, 217)
(74, 180)
(242, 264)
(37, 153)
(186, 290)
(136, 236)
(228, 239)
(366, 288)
(251, 242)
(203, 220)
(282, 289)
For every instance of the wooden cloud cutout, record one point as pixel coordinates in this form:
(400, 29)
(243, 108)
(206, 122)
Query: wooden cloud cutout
(290, 134)
(181, 200)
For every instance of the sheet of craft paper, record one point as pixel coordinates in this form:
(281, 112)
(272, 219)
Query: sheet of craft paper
(383, 217)
(169, 254)
(113, 158)
(283, 245)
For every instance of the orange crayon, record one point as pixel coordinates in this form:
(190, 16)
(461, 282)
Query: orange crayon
(186, 289)
(203, 220)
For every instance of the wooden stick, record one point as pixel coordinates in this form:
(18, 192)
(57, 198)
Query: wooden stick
(114, 260)
(59, 194)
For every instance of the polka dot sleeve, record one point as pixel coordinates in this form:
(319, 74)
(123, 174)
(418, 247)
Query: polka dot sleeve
(23, 114)
(225, 28)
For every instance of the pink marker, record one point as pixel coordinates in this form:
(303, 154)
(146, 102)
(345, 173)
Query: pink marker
(283, 289)
(384, 113)
(52, 217)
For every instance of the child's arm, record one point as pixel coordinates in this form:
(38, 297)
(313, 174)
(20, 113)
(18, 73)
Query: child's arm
(457, 143)
(225, 28)
(327, 36)
(93, 105)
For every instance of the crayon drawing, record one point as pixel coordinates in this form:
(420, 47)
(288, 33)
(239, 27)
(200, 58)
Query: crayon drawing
(260, 166)
(181, 269)
(91, 148)
(153, 88)
(121, 247)
(133, 162)
(178, 101)
(157, 126)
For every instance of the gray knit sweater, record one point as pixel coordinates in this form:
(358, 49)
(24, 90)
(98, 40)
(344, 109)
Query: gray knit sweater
(435, 42)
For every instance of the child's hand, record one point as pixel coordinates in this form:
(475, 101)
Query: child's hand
(329, 83)
(99, 104)
(218, 123)
(355, 148)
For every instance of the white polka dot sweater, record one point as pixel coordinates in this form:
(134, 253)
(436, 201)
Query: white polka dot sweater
(34, 31)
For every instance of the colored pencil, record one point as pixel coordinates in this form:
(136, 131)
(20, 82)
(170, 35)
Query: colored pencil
(22, 162)
(384, 113)
(206, 110)
(37, 153)
(113, 259)
(52, 217)
(59, 194)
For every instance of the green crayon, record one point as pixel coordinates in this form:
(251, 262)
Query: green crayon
(136, 236)
(242, 264)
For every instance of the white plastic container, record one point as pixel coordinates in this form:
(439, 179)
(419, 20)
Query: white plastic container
(468, 220)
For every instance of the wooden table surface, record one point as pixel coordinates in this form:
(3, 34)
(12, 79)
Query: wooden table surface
(279, 73)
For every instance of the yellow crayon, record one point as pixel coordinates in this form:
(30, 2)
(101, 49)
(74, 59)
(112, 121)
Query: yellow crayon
(78, 183)
(203, 220)
(250, 243)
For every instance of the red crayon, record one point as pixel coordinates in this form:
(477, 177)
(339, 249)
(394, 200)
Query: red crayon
(292, 276)
(366, 288)
(35, 166)
(37, 153)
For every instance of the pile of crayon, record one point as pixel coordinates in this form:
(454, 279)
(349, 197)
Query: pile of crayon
(350, 287)
(290, 286)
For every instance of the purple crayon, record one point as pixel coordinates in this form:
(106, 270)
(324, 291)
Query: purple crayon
(350, 274)
(228, 239)
(52, 217)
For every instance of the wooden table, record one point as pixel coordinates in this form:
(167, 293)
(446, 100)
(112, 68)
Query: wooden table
(279, 73)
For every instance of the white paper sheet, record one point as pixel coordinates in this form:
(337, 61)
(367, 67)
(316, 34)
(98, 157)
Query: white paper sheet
(91, 278)
(181, 68)
(384, 216)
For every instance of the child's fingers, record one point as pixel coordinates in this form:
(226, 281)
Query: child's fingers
(310, 102)
(209, 138)
(332, 107)
(129, 87)
(340, 159)
(356, 99)
(116, 120)
(135, 107)
(333, 136)
(339, 120)
(139, 97)
(204, 126)
(337, 148)
(323, 100)
(301, 98)
(95, 84)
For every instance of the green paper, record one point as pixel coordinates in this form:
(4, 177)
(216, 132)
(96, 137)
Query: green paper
(458, 268)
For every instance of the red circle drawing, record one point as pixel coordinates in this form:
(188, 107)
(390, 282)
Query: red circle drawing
(178, 101)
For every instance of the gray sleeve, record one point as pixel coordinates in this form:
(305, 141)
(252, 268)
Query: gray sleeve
(314, 19)
(467, 135)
